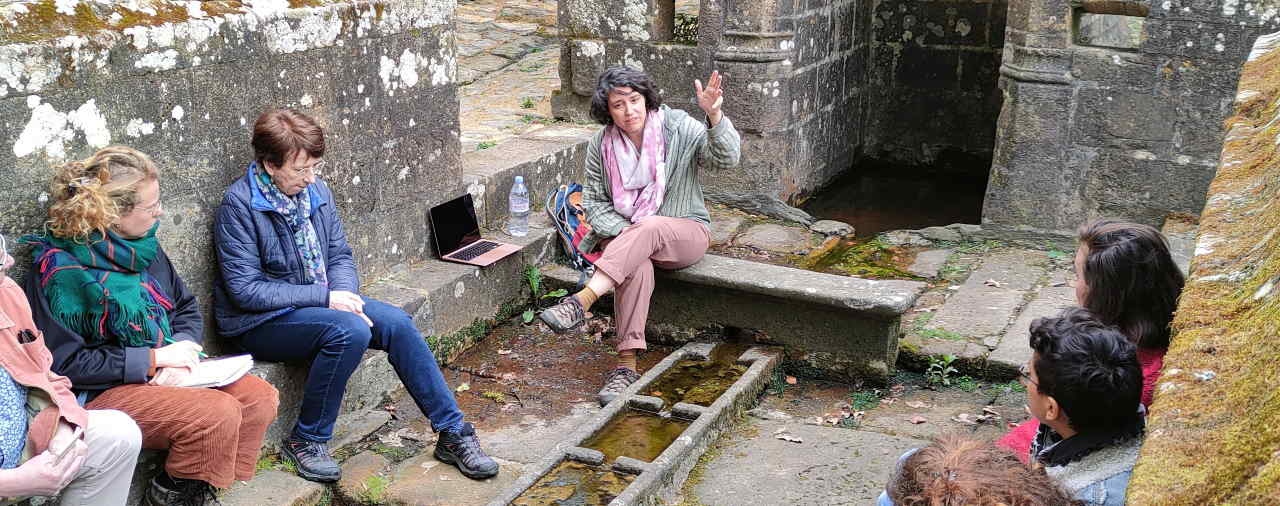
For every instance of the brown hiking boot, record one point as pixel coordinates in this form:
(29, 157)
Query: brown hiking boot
(615, 382)
(565, 315)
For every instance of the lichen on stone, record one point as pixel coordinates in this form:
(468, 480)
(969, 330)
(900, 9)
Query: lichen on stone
(1213, 434)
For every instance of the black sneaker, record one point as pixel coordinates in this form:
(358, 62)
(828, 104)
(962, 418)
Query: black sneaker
(565, 315)
(462, 449)
(311, 459)
(615, 382)
(166, 490)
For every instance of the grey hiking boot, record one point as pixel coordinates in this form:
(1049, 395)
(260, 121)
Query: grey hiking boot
(166, 490)
(565, 315)
(462, 449)
(311, 458)
(615, 382)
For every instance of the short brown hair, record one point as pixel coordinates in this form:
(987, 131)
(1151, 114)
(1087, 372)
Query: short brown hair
(280, 133)
(91, 194)
(955, 470)
(1133, 281)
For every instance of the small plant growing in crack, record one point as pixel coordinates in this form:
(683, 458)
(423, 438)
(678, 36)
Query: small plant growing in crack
(533, 276)
(940, 371)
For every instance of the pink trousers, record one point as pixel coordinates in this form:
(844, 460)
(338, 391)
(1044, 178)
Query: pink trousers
(629, 259)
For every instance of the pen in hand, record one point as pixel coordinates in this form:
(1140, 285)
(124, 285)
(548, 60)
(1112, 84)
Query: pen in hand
(169, 340)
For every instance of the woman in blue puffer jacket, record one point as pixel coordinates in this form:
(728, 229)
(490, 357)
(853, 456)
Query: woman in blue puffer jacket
(289, 292)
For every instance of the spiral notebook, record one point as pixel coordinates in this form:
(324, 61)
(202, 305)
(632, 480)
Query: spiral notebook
(218, 372)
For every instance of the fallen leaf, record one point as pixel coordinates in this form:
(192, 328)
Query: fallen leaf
(786, 436)
(445, 478)
(429, 464)
(917, 420)
(507, 376)
(965, 419)
(990, 411)
(897, 389)
(407, 433)
(656, 393)
(994, 283)
(1011, 425)
(504, 352)
(833, 420)
(888, 400)
(791, 380)
(463, 387)
(917, 405)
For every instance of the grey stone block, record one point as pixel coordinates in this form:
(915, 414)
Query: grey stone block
(646, 403)
(942, 234)
(274, 487)
(980, 309)
(832, 227)
(628, 465)
(928, 263)
(587, 456)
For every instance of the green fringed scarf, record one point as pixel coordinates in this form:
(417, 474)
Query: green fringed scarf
(101, 290)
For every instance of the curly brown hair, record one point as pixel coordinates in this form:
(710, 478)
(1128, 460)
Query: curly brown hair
(955, 470)
(91, 194)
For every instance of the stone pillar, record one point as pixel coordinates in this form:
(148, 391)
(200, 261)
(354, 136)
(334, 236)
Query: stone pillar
(1033, 181)
(755, 54)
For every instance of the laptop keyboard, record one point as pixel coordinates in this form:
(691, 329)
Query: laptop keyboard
(475, 250)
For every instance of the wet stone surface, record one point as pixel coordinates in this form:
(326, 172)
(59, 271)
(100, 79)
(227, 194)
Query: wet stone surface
(573, 483)
(637, 434)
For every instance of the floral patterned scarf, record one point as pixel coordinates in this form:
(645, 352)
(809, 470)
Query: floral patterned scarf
(297, 212)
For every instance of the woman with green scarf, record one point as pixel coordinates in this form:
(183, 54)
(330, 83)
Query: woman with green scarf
(124, 328)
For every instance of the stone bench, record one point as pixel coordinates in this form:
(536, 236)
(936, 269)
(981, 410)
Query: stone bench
(838, 327)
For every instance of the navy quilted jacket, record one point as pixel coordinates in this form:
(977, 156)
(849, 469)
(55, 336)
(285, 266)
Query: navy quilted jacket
(259, 264)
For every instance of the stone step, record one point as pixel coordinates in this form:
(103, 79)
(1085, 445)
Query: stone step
(1014, 348)
(982, 308)
(840, 327)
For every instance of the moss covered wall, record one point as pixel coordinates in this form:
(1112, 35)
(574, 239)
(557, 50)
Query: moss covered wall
(1214, 429)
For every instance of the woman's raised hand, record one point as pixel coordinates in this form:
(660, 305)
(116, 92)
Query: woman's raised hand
(710, 98)
(343, 300)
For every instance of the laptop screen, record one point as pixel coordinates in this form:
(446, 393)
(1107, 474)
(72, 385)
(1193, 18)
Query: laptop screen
(454, 225)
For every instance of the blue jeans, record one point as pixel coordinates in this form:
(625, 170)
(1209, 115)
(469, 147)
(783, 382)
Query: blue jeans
(334, 341)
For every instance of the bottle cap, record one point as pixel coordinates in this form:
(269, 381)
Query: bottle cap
(519, 179)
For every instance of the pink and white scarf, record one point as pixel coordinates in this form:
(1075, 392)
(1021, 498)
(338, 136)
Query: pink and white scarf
(637, 177)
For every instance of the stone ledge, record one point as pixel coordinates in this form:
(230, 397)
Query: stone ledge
(837, 327)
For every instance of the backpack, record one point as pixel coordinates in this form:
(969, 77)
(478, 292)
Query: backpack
(570, 220)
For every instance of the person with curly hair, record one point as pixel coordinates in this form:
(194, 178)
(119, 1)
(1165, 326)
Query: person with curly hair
(644, 202)
(125, 329)
(959, 471)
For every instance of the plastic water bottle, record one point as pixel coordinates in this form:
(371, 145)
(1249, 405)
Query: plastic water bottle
(518, 203)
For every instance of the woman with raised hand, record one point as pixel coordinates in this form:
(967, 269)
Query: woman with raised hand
(123, 327)
(643, 202)
(41, 450)
(290, 292)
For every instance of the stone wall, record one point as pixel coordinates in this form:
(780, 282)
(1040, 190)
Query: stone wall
(1214, 429)
(812, 85)
(790, 69)
(184, 81)
(1090, 131)
(932, 79)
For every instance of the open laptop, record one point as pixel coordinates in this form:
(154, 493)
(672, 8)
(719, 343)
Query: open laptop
(456, 234)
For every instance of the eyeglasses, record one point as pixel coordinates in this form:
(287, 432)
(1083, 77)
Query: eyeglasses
(153, 209)
(1024, 375)
(315, 168)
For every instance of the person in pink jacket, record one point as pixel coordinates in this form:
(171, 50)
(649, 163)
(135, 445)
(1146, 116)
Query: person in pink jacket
(84, 457)
(1127, 278)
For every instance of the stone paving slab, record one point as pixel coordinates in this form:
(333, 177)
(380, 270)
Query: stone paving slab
(928, 263)
(831, 466)
(776, 238)
(275, 488)
(423, 480)
(1014, 350)
(978, 310)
